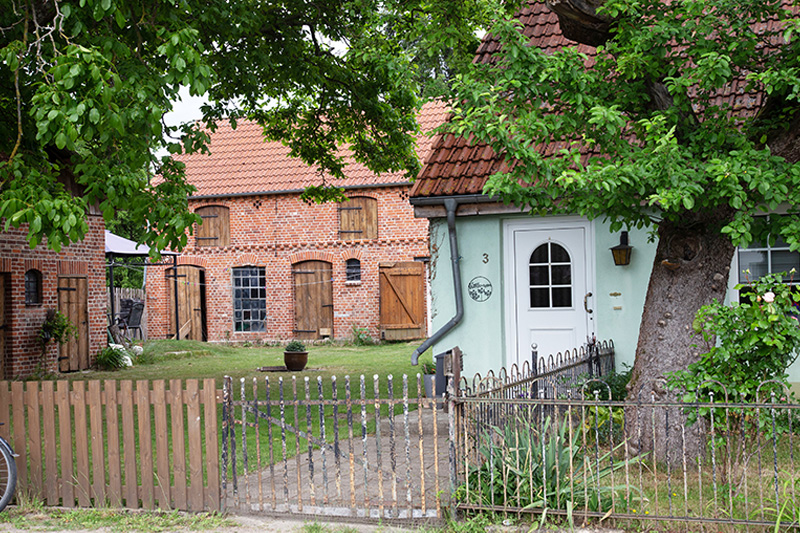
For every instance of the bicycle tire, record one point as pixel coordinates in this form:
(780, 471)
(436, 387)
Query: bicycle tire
(8, 476)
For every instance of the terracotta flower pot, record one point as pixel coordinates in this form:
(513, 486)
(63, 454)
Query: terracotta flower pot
(295, 361)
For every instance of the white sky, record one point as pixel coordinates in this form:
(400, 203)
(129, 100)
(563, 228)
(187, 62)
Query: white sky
(186, 109)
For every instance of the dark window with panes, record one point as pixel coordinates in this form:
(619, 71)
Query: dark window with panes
(762, 258)
(353, 270)
(249, 299)
(33, 287)
(550, 271)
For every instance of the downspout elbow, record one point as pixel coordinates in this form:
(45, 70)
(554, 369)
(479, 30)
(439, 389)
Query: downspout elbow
(450, 204)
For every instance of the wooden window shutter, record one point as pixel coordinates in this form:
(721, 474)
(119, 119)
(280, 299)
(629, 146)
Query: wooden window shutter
(215, 229)
(358, 219)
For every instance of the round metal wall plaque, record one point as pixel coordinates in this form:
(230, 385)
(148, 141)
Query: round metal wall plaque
(480, 289)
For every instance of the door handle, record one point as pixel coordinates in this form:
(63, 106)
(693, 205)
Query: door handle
(586, 303)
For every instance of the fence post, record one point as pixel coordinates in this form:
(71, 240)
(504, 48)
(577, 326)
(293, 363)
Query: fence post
(535, 369)
(226, 397)
(451, 417)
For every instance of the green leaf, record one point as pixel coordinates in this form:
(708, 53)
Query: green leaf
(61, 140)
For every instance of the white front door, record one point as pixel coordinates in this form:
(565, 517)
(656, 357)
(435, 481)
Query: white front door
(551, 286)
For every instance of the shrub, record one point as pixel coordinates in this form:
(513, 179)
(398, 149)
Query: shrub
(295, 346)
(110, 358)
(615, 383)
(747, 344)
(756, 341)
(57, 328)
(601, 423)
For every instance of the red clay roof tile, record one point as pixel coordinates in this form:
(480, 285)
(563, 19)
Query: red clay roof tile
(242, 162)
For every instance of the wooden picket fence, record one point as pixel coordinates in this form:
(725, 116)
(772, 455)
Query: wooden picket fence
(144, 444)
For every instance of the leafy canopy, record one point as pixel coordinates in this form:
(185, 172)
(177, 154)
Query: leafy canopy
(84, 86)
(674, 113)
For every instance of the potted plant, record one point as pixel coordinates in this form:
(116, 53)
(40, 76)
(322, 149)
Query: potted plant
(428, 376)
(295, 356)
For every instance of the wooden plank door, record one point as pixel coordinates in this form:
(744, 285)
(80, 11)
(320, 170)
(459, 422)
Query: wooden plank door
(73, 301)
(4, 320)
(191, 302)
(313, 299)
(402, 293)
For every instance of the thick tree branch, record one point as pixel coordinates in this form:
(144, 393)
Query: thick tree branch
(580, 22)
(783, 140)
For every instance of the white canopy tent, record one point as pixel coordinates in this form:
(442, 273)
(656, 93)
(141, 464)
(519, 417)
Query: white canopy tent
(120, 247)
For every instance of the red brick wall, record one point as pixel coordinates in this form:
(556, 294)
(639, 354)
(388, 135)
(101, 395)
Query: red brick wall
(278, 230)
(24, 321)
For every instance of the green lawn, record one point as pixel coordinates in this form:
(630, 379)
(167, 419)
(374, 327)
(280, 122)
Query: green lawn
(168, 359)
(206, 360)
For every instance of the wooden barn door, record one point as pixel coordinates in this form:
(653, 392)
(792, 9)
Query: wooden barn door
(191, 302)
(313, 299)
(73, 301)
(402, 293)
(4, 320)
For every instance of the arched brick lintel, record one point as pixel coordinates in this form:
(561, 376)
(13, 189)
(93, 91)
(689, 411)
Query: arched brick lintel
(247, 260)
(312, 255)
(195, 261)
(352, 254)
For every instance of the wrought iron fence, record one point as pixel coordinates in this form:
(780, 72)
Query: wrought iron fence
(554, 376)
(362, 449)
(719, 460)
(377, 449)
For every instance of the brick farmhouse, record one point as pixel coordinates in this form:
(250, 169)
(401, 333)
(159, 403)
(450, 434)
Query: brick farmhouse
(32, 281)
(266, 265)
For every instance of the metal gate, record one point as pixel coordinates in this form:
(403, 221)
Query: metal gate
(374, 449)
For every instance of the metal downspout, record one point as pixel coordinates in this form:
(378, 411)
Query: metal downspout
(450, 205)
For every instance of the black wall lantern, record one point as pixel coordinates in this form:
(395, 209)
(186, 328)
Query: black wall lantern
(622, 251)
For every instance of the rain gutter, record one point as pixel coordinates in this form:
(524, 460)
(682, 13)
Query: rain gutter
(450, 205)
(294, 191)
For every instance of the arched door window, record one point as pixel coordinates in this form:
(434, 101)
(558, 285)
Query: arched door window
(550, 274)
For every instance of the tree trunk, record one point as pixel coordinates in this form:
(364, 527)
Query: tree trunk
(691, 269)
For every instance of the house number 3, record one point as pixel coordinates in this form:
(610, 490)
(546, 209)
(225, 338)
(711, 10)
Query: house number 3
(485, 258)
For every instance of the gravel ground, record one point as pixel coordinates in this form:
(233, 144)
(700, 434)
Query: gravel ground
(267, 524)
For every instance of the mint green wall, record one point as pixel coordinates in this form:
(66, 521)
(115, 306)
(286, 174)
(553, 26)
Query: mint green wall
(621, 290)
(481, 334)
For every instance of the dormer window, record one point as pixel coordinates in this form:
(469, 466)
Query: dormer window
(215, 229)
(358, 219)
